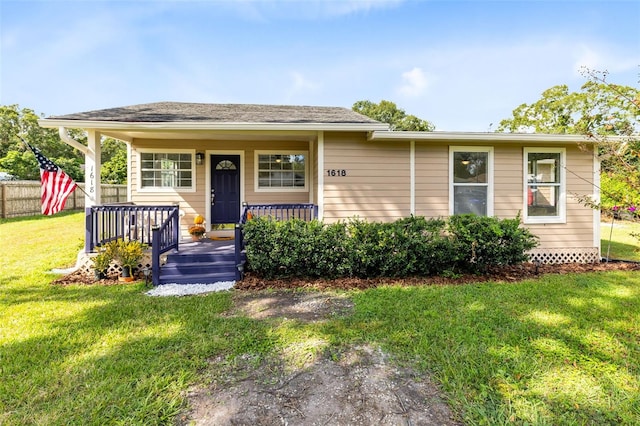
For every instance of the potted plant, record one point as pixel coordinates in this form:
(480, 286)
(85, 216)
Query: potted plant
(128, 254)
(102, 261)
(197, 230)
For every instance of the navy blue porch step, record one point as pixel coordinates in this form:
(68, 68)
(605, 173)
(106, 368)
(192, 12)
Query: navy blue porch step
(204, 262)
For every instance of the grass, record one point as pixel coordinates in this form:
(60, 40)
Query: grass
(561, 350)
(623, 245)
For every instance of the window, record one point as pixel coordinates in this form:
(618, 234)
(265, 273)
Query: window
(281, 171)
(166, 170)
(544, 185)
(225, 165)
(471, 180)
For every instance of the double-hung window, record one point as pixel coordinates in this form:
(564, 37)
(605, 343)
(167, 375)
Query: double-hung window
(544, 185)
(471, 180)
(281, 171)
(167, 170)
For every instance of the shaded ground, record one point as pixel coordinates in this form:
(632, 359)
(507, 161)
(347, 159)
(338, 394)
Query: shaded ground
(356, 386)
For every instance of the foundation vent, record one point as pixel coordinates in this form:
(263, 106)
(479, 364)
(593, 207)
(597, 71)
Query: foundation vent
(568, 255)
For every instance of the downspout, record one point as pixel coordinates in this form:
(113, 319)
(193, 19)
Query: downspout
(62, 131)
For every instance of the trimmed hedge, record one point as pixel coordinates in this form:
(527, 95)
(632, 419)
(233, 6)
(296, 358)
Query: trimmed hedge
(413, 246)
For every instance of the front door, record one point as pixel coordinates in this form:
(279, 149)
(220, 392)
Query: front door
(225, 189)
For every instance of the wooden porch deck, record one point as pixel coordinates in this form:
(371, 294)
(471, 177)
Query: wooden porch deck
(206, 245)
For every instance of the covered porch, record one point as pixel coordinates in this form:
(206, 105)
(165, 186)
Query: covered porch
(174, 259)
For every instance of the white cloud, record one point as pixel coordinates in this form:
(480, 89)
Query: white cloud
(300, 86)
(415, 82)
(340, 8)
(263, 11)
(603, 58)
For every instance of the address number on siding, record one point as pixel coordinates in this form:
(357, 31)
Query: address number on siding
(336, 172)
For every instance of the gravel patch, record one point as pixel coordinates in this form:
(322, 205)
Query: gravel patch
(189, 289)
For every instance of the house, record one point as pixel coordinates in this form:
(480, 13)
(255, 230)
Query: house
(212, 158)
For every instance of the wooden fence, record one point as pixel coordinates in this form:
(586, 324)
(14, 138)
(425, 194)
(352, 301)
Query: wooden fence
(22, 197)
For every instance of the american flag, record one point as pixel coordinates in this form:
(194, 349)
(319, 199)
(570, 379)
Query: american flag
(56, 185)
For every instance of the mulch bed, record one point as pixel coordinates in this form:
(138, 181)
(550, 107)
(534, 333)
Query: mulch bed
(496, 274)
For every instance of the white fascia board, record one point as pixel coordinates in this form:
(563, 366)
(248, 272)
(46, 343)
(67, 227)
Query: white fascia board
(481, 137)
(184, 125)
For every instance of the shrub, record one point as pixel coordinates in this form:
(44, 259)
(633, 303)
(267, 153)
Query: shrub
(412, 246)
(482, 241)
(295, 248)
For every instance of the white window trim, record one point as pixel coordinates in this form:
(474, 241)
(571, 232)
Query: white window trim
(154, 189)
(489, 184)
(281, 152)
(562, 199)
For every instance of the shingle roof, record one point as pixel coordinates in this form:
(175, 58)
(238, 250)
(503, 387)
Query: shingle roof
(165, 112)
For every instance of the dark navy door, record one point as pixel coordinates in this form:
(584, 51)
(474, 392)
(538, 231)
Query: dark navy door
(225, 189)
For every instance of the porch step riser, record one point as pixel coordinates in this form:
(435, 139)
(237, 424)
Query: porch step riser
(191, 269)
(200, 258)
(203, 278)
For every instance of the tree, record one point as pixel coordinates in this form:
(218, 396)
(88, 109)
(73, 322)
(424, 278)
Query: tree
(114, 170)
(606, 113)
(17, 159)
(388, 112)
(598, 109)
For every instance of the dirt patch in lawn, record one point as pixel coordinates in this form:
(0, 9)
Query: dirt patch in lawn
(358, 385)
(359, 388)
(306, 306)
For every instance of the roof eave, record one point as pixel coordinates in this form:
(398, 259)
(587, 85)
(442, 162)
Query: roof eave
(480, 137)
(190, 125)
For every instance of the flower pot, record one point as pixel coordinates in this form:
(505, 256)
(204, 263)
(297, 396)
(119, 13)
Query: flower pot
(196, 237)
(126, 275)
(99, 275)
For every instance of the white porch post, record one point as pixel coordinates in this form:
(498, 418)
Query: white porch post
(412, 178)
(92, 169)
(320, 175)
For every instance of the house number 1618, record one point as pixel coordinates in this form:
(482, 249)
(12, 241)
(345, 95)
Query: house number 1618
(336, 172)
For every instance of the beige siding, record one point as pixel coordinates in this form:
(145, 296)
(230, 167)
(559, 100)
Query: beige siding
(377, 181)
(432, 190)
(508, 183)
(432, 180)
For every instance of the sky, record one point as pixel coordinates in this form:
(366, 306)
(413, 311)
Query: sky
(462, 65)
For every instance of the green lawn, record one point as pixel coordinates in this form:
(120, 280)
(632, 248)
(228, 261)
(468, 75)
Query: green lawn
(560, 350)
(623, 245)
